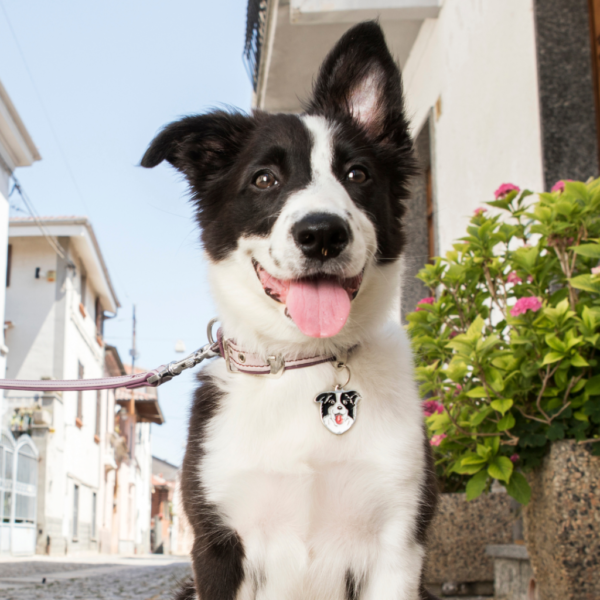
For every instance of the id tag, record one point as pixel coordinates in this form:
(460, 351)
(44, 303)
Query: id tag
(338, 409)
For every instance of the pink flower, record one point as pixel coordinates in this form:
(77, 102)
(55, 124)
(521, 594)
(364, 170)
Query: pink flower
(453, 334)
(504, 189)
(559, 186)
(429, 300)
(596, 270)
(432, 407)
(514, 458)
(436, 440)
(524, 304)
(513, 278)
(529, 279)
(479, 211)
(458, 389)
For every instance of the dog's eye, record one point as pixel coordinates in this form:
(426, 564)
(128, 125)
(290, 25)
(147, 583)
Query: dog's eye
(265, 180)
(357, 175)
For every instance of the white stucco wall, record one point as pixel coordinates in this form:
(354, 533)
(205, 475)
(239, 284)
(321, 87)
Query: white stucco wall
(48, 338)
(478, 58)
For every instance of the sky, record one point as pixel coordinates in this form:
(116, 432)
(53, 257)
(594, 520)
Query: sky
(93, 83)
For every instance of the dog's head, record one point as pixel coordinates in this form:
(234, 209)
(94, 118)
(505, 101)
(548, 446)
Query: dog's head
(301, 214)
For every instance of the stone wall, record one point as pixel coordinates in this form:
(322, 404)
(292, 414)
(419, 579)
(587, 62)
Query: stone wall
(459, 535)
(562, 523)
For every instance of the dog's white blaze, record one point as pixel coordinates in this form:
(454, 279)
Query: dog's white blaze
(309, 505)
(324, 194)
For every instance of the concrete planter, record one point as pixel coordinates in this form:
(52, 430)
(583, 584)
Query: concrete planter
(562, 524)
(458, 538)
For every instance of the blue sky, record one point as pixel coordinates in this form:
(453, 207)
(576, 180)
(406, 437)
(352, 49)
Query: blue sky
(110, 74)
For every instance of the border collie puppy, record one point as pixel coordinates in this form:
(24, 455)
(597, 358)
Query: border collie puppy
(301, 224)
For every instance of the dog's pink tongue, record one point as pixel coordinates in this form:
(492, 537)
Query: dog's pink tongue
(320, 308)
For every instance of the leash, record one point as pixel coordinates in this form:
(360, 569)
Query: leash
(152, 378)
(237, 361)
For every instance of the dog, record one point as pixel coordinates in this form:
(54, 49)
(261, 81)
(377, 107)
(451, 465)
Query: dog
(301, 223)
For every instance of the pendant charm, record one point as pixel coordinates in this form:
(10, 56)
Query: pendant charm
(338, 409)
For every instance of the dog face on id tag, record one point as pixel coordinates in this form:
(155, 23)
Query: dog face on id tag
(338, 409)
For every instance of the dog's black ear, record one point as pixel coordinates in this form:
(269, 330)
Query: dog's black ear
(323, 397)
(360, 79)
(200, 146)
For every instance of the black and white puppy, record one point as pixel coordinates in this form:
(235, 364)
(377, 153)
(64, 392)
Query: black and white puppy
(301, 224)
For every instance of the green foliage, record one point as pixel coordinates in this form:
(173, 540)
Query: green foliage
(509, 343)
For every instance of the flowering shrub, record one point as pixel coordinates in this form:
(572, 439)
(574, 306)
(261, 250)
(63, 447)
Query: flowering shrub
(507, 343)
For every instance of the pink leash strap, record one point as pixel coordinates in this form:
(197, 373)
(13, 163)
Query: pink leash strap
(152, 378)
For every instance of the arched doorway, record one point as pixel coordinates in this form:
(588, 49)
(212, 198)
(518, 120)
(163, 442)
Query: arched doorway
(18, 494)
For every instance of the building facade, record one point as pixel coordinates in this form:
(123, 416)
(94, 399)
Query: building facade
(17, 457)
(496, 91)
(58, 290)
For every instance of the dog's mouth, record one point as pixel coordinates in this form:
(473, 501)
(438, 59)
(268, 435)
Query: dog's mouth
(319, 305)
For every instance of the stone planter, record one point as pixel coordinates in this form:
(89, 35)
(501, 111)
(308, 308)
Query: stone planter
(458, 537)
(562, 524)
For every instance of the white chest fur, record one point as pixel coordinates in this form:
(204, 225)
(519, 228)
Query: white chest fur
(310, 504)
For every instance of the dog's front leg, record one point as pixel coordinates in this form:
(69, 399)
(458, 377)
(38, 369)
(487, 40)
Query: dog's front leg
(275, 566)
(218, 564)
(396, 574)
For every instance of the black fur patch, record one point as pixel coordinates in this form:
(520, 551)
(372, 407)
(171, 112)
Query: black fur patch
(429, 495)
(221, 153)
(187, 591)
(353, 586)
(218, 553)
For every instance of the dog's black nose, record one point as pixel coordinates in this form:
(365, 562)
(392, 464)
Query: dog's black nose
(321, 235)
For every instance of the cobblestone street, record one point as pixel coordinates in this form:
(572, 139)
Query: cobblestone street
(116, 579)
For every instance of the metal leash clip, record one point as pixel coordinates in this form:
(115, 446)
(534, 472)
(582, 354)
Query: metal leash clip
(178, 366)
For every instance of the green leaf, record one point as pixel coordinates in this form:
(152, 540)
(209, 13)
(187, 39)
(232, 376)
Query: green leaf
(555, 343)
(518, 488)
(468, 469)
(501, 468)
(476, 485)
(552, 357)
(506, 422)
(474, 331)
(589, 283)
(592, 387)
(589, 250)
(502, 405)
(477, 392)
(457, 370)
(479, 417)
(556, 431)
(578, 361)
(474, 459)
(493, 442)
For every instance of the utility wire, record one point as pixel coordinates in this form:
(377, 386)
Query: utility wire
(45, 111)
(31, 209)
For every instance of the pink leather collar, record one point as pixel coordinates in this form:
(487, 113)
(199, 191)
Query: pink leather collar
(240, 361)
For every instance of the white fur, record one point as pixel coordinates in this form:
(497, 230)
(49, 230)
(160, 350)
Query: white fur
(307, 504)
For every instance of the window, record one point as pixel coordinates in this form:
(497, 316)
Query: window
(83, 288)
(98, 411)
(99, 317)
(75, 512)
(94, 504)
(79, 394)
(8, 264)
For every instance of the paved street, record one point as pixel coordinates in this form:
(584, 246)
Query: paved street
(114, 578)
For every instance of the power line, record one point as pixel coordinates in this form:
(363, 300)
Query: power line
(44, 110)
(31, 209)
